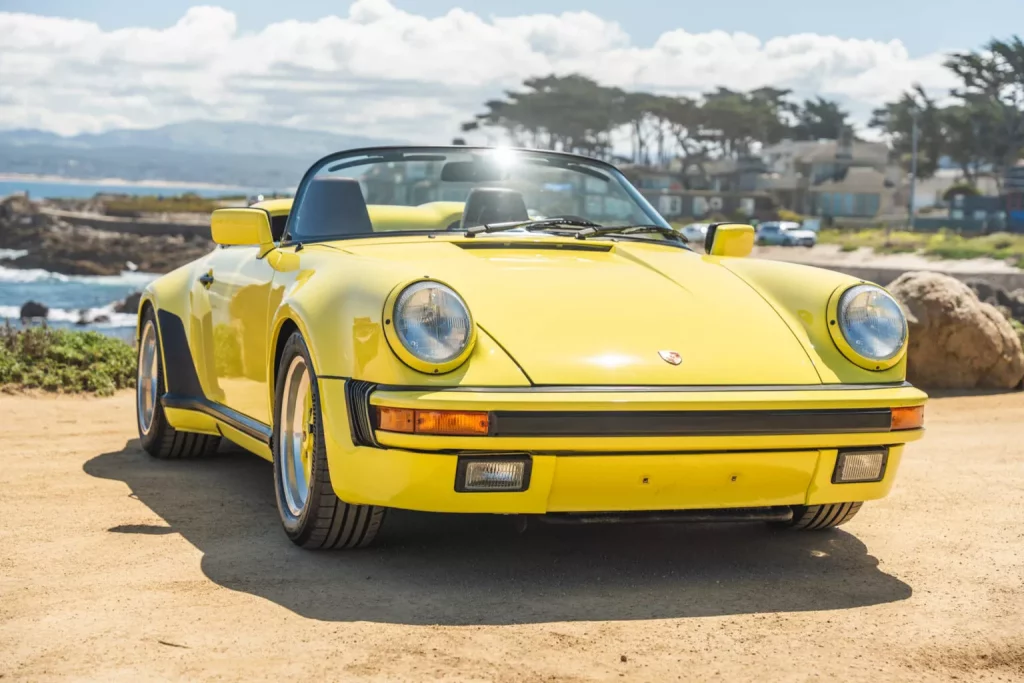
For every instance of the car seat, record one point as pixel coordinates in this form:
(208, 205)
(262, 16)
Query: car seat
(330, 207)
(486, 205)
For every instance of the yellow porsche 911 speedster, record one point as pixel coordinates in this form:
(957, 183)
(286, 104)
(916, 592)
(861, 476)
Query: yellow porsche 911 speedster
(478, 330)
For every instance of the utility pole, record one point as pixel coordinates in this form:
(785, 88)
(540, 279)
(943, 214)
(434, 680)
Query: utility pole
(915, 112)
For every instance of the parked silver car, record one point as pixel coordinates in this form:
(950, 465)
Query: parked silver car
(786, 234)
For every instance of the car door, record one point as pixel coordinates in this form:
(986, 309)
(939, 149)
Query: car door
(238, 283)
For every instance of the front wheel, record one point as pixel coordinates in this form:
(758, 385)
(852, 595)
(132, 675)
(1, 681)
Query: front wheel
(312, 515)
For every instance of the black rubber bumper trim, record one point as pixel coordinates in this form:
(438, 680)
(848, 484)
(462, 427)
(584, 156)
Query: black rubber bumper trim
(360, 413)
(232, 418)
(759, 514)
(542, 423)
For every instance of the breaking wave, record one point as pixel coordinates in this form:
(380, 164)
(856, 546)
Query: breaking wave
(90, 315)
(126, 278)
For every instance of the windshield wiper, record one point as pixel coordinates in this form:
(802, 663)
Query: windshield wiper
(631, 230)
(539, 224)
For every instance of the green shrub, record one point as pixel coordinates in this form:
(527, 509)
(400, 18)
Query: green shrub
(960, 188)
(64, 361)
(945, 244)
(136, 205)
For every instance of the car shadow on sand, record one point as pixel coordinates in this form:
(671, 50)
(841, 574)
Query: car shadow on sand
(460, 569)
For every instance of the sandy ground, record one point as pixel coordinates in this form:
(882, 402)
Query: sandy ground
(117, 567)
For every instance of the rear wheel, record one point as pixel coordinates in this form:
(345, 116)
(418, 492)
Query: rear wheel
(312, 516)
(159, 438)
(817, 517)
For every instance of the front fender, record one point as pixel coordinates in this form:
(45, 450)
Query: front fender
(337, 303)
(800, 295)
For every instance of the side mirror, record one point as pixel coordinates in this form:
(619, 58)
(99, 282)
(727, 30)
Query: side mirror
(236, 227)
(729, 239)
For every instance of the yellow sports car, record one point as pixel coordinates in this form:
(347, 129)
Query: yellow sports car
(476, 330)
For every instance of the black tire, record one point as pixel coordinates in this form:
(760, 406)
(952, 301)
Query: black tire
(162, 440)
(820, 517)
(325, 522)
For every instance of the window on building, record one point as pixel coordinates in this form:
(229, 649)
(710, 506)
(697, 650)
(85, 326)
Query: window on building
(866, 204)
(848, 204)
(670, 205)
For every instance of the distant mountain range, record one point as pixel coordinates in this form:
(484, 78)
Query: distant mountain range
(243, 154)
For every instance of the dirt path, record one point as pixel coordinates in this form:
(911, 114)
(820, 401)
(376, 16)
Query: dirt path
(116, 567)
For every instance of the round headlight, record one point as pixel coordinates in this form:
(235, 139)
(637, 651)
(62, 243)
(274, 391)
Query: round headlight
(872, 322)
(432, 322)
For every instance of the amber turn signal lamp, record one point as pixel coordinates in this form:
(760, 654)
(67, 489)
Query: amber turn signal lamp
(447, 422)
(911, 417)
(396, 420)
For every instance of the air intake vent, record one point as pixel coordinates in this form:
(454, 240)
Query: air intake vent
(357, 396)
(489, 243)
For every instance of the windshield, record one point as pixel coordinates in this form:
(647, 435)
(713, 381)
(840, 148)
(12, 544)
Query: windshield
(430, 189)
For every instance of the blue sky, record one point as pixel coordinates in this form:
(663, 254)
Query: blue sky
(923, 26)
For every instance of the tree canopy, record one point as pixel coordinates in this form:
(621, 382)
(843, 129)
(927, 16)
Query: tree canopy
(980, 129)
(979, 126)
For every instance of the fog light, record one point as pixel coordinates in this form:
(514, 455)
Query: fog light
(860, 466)
(492, 473)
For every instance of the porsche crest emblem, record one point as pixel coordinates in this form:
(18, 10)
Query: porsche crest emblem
(671, 357)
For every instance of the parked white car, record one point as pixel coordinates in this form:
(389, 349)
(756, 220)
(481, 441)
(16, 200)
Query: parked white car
(695, 233)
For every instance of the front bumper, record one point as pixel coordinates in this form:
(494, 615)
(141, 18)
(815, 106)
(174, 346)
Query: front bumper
(705, 469)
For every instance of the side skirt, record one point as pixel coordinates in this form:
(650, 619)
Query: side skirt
(236, 423)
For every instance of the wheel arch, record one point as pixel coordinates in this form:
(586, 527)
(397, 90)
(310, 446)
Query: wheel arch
(284, 326)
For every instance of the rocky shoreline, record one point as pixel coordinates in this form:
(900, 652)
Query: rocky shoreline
(53, 244)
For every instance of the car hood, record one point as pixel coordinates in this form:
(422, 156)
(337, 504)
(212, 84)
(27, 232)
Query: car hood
(581, 313)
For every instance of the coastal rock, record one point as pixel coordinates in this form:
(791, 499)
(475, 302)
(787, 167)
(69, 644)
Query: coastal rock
(1012, 301)
(956, 340)
(34, 309)
(55, 245)
(130, 304)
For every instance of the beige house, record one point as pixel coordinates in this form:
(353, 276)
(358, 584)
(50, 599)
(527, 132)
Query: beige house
(835, 178)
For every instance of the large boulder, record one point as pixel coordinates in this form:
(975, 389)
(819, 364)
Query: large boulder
(956, 340)
(130, 303)
(34, 309)
(1000, 298)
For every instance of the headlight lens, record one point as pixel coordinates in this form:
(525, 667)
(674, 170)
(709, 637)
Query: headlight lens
(872, 322)
(432, 322)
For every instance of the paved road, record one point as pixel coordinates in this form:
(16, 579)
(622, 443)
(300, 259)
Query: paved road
(116, 567)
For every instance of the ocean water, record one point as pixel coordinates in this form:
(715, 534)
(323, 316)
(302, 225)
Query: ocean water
(68, 296)
(38, 189)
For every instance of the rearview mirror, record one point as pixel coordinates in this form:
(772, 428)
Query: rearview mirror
(479, 171)
(236, 227)
(729, 239)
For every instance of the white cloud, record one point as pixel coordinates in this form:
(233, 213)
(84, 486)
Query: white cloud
(386, 72)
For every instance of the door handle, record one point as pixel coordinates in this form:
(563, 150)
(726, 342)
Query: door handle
(206, 279)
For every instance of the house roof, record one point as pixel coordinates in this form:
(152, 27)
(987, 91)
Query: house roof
(857, 179)
(809, 151)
